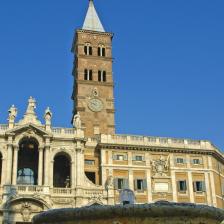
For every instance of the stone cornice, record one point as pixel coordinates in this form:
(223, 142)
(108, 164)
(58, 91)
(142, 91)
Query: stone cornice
(161, 149)
(95, 32)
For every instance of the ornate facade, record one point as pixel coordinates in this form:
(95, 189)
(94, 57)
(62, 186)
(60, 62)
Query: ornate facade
(44, 167)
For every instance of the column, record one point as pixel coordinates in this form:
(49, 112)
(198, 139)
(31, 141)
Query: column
(72, 184)
(212, 181)
(208, 190)
(46, 165)
(173, 178)
(40, 167)
(131, 179)
(3, 173)
(103, 168)
(149, 186)
(79, 167)
(9, 164)
(174, 185)
(51, 182)
(15, 165)
(190, 184)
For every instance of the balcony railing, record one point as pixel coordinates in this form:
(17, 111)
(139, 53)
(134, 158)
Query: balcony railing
(62, 191)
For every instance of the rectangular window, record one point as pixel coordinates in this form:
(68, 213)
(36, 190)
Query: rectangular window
(182, 186)
(199, 186)
(140, 184)
(196, 161)
(121, 183)
(138, 158)
(89, 162)
(120, 157)
(180, 160)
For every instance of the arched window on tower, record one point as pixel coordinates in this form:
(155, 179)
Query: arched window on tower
(101, 51)
(28, 156)
(88, 75)
(102, 76)
(62, 171)
(88, 50)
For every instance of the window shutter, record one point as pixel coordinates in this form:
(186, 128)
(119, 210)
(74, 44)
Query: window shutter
(178, 185)
(126, 184)
(222, 186)
(134, 158)
(135, 184)
(194, 186)
(144, 184)
(114, 157)
(116, 183)
(125, 157)
(185, 185)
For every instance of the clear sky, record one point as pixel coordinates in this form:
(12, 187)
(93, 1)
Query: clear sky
(168, 67)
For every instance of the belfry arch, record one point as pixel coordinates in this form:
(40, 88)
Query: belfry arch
(62, 170)
(28, 157)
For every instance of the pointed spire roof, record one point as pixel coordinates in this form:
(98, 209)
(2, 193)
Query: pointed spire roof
(92, 21)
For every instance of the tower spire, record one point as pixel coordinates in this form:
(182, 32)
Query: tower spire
(92, 20)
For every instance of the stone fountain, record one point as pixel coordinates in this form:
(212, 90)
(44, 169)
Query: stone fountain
(157, 213)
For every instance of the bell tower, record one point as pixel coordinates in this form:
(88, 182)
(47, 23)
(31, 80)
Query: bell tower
(93, 78)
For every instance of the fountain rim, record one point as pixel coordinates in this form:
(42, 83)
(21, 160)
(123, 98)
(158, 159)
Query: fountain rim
(159, 209)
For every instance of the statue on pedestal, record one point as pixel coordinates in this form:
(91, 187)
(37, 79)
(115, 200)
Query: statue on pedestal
(77, 123)
(48, 116)
(12, 114)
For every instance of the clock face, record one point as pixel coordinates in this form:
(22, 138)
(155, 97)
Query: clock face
(95, 105)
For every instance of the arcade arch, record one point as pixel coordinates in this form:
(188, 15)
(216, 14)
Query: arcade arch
(62, 170)
(28, 157)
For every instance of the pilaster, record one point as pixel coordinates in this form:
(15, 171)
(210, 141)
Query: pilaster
(40, 167)
(15, 164)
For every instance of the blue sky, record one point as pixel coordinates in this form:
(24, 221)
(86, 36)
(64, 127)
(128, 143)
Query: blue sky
(168, 67)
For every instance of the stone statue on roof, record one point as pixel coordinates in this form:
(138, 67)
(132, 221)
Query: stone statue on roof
(12, 114)
(31, 106)
(77, 123)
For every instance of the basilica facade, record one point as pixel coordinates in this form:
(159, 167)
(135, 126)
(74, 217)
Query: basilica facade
(44, 167)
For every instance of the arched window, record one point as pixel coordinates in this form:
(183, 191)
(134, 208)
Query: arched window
(88, 50)
(88, 75)
(102, 76)
(62, 171)
(28, 156)
(101, 51)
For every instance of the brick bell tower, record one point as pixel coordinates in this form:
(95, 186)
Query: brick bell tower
(93, 78)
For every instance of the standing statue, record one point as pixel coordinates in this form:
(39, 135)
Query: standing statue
(48, 116)
(77, 123)
(31, 106)
(12, 114)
